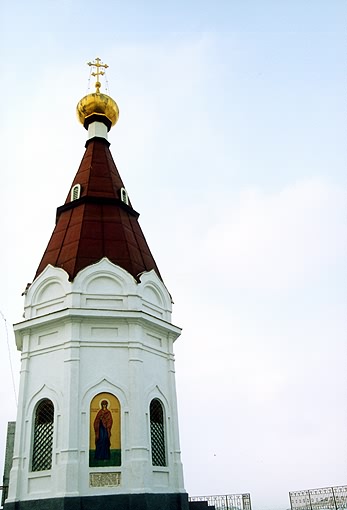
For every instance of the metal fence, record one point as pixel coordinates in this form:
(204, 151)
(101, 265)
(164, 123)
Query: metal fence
(228, 502)
(327, 498)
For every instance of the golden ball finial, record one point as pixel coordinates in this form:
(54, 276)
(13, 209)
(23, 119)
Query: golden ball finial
(97, 106)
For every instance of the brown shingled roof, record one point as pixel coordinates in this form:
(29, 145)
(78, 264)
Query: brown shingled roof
(98, 224)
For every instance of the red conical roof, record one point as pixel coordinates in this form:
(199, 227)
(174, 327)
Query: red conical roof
(98, 224)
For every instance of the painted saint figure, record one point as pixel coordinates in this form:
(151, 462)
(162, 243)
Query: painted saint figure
(102, 426)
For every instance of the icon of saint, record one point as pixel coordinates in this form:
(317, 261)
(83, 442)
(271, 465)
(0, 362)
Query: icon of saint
(102, 426)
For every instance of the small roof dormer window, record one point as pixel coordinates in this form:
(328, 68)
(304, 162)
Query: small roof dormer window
(75, 192)
(124, 196)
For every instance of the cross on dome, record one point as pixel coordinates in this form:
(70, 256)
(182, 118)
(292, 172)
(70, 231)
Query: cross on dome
(97, 107)
(98, 65)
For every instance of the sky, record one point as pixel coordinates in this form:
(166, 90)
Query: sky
(231, 144)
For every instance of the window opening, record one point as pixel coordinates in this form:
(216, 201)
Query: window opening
(43, 436)
(75, 192)
(124, 196)
(157, 433)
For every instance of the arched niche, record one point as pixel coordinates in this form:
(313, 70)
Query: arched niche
(153, 295)
(105, 431)
(104, 284)
(50, 291)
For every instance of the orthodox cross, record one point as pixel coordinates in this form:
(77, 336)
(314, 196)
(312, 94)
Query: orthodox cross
(98, 64)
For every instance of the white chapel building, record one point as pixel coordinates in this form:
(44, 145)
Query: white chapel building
(97, 424)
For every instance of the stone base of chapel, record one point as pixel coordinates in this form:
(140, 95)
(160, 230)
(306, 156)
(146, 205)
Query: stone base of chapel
(111, 502)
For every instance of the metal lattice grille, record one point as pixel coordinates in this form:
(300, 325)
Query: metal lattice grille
(157, 433)
(326, 498)
(227, 502)
(43, 436)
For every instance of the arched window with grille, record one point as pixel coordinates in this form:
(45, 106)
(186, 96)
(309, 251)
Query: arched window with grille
(156, 413)
(43, 436)
(124, 196)
(76, 192)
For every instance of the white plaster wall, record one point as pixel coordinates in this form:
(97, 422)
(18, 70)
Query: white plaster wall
(103, 332)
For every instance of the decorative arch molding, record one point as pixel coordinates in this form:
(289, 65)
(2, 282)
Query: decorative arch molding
(119, 280)
(100, 386)
(44, 392)
(50, 290)
(152, 294)
(104, 283)
(151, 285)
(50, 276)
(154, 392)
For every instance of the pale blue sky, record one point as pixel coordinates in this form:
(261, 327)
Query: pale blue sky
(231, 143)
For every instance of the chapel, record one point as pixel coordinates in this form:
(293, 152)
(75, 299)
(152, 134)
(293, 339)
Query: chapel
(97, 424)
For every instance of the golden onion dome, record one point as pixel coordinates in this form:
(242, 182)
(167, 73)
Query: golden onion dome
(97, 106)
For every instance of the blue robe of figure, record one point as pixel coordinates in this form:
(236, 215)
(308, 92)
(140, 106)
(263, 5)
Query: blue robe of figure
(102, 426)
(102, 446)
